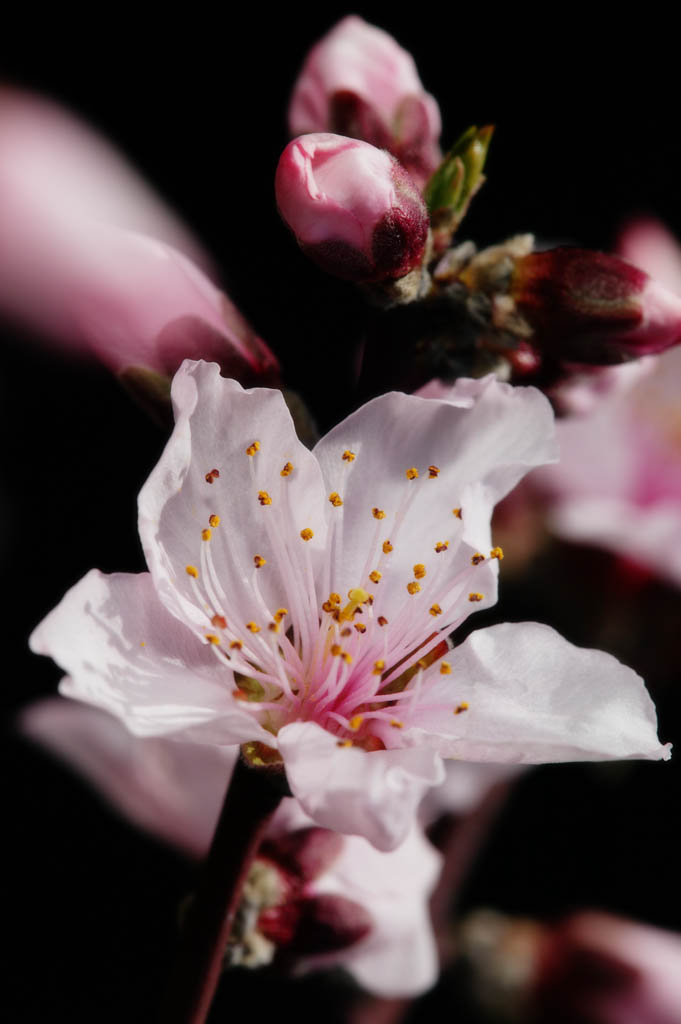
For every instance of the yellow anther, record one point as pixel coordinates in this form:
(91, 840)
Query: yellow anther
(463, 706)
(336, 649)
(355, 722)
(259, 561)
(396, 724)
(273, 627)
(475, 597)
(496, 553)
(435, 609)
(413, 587)
(433, 471)
(287, 469)
(348, 456)
(382, 621)
(477, 558)
(419, 570)
(264, 498)
(235, 645)
(335, 499)
(412, 473)
(387, 547)
(143, 643)
(357, 596)
(252, 627)
(214, 520)
(379, 667)
(212, 638)
(378, 513)
(457, 512)
(375, 576)
(212, 475)
(219, 621)
(253, 448)
(328, 607)
(334, 598)
(280, 613)
(360, 627)
(346, 632)
(307, 533)
(206, 534)
(445, 668)
(441, 546)
(347, 658)
(344, 743)
(192, 571)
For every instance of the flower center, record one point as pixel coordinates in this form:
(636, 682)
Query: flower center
(358, 664)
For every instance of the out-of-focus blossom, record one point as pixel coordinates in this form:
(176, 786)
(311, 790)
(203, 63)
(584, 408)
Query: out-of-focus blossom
(364, 910)
(589, 968)
(593, 307)
(299, 603)
(91, 259)
(618, 482)
(358, 81)
(353, 208)
(599, 969)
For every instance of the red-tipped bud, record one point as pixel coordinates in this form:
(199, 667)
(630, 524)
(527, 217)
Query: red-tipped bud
(353, 208)
(358, 81)
(592, 307)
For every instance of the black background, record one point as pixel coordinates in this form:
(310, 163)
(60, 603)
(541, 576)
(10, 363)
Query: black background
(587, 133)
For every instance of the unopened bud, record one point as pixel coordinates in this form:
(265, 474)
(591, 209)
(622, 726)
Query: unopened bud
(592, 307)
(358, 81)
(353, 208)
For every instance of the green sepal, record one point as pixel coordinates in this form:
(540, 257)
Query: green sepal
(459, 176)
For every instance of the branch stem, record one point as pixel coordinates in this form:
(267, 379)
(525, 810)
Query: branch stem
(251, 799)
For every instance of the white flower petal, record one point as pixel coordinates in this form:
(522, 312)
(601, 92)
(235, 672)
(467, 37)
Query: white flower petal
(177, 501)
(347, 789)
(535, 698)
(481, 443)
(124, 653)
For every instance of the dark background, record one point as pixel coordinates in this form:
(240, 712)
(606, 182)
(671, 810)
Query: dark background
(586, 134)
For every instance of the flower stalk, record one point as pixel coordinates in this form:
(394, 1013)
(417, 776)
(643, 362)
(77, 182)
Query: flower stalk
(251, 799)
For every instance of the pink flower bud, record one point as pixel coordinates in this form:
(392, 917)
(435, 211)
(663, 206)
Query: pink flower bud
(592, 307)
(358, 81)
(353, 209)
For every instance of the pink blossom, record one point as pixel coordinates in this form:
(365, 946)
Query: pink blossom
(352, 207)
(91, 259)
(174, 789)
(618, 482)
(300, 602)
(602, 969)
(358, 81)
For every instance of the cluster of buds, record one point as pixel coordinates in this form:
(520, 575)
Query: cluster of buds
(378, 205)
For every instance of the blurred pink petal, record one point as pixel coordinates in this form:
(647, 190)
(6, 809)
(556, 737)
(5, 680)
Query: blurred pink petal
(90, 259)
(618, 482)
(358, 81)
(61, 163)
